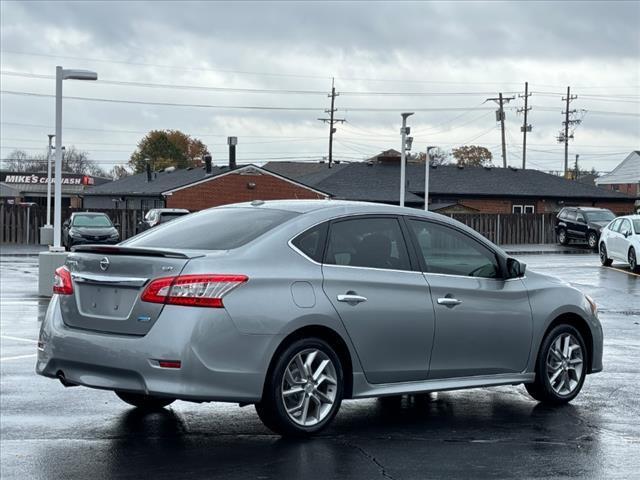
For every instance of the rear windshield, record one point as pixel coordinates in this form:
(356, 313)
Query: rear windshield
(91, 221)
(215, 229)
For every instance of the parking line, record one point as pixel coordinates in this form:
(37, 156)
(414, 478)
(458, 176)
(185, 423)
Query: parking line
(29, 340)
(623, 271)
(4, 359)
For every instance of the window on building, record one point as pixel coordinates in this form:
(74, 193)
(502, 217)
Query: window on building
(529, 209)
(517, 209)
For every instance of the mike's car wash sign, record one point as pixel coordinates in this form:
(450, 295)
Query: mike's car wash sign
(39, 178)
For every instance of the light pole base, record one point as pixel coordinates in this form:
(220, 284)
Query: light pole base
(47, 264)
(46, 235)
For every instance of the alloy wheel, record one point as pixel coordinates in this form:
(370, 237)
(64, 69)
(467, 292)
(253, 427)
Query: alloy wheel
(309, 387)
(592, 240)
(562, 237)
(633, 262)
(565, 363)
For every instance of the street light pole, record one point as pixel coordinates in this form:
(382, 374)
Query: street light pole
(62, 74)
(403, 146)
(426, 179)
(49, 181)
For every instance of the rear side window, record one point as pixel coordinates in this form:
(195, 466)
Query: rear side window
(571, 215)
(368, 242)
(311, 242)
(215, 229)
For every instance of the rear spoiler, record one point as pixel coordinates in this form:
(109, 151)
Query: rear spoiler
(122, 250)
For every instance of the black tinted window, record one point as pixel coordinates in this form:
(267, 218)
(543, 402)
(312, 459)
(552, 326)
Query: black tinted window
(311, 242)
(167, 216)
(571, 215)
(368, 242)
(446, 250)
(216, 229)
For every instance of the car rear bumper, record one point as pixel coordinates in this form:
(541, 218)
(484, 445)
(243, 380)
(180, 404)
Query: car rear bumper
(218, 363)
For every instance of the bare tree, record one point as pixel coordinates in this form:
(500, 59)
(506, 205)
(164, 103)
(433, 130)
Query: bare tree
(119, 171)
(20, 161)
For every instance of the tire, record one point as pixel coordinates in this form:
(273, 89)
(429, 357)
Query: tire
(311, 403)
(554, 368)
(144, 402)
(604, 260)
(563, 239)
(592, 240)
(633, 261)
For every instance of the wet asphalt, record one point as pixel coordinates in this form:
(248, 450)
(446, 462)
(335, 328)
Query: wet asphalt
(48, 431)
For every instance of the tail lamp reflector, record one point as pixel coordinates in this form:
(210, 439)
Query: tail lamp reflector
(192, 290)
(62, 284)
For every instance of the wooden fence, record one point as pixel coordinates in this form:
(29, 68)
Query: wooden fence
(20, 224)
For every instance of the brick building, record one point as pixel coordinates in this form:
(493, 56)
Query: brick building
(196, 189)
(454, 189)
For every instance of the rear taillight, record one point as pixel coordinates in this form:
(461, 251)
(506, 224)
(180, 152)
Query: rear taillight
(192, 290)
(62, 281)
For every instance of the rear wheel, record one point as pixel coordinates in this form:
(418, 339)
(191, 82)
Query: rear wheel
(592, 240)
(561, 366)
(604, 259)
(562, 237)
(633, 261)
(303, 390)
(145, 402)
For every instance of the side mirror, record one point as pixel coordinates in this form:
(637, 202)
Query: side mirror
(581, 220)
(626, 233)
(66, 224)
(515, 269)
(117, 225)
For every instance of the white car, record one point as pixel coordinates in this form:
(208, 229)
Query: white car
(620, 241)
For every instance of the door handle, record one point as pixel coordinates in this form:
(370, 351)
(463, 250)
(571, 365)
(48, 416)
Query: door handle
(351, 298)
(449, 302)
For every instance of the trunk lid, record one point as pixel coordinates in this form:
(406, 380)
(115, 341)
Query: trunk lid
(108, 282)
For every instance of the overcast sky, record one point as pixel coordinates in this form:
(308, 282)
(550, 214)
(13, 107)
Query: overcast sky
(455, 55)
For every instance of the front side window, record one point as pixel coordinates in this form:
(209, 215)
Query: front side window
(446, 250)
(615, 226)
(214, 229)
(368, 242)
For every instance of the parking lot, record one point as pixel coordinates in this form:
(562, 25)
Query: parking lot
(48, 431)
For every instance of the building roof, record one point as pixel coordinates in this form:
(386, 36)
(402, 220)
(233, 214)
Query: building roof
(309, 173)
(7, 191)
(171, 180)
(380, 183)
(628, 171)
(137, 185)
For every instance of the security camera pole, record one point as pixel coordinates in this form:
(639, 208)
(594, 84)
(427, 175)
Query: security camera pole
(62, 74)
(404, 131)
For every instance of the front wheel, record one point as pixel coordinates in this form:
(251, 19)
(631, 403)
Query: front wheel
(561, 366)
(592, 240)
(144, 402)
(303, 390)
(633, 261)
(562, 237)
(604, 259)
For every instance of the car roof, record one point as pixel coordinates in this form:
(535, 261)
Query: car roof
(76, 214)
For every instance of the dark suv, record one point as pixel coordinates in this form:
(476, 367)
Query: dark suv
(582, 223)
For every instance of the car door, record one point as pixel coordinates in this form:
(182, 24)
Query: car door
(622, 240)
(579, 227)
(611, 238)
(483, 322)
(384, 304)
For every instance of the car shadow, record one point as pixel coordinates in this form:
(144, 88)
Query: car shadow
(441, 434)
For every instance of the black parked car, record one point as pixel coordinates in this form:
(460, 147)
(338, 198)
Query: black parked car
(582, 223)
(89, 228)
(157, 216)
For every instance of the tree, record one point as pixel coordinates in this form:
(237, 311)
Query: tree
(437, 156)
(472, 156)
(167, 148)
(118, 172)
(20, 161)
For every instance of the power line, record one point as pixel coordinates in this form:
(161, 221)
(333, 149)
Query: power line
(164, 104)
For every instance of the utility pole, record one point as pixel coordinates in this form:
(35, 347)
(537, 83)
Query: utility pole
(564, 136)
(576, 169)
(525, 126)
(331, 121)
(49, 181)
(500, 117)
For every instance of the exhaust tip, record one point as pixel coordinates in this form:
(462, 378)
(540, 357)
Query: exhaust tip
(63, 379)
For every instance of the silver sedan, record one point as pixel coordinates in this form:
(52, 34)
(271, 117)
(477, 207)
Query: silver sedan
(296, 305)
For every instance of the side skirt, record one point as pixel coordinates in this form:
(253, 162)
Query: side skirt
(363, 389)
